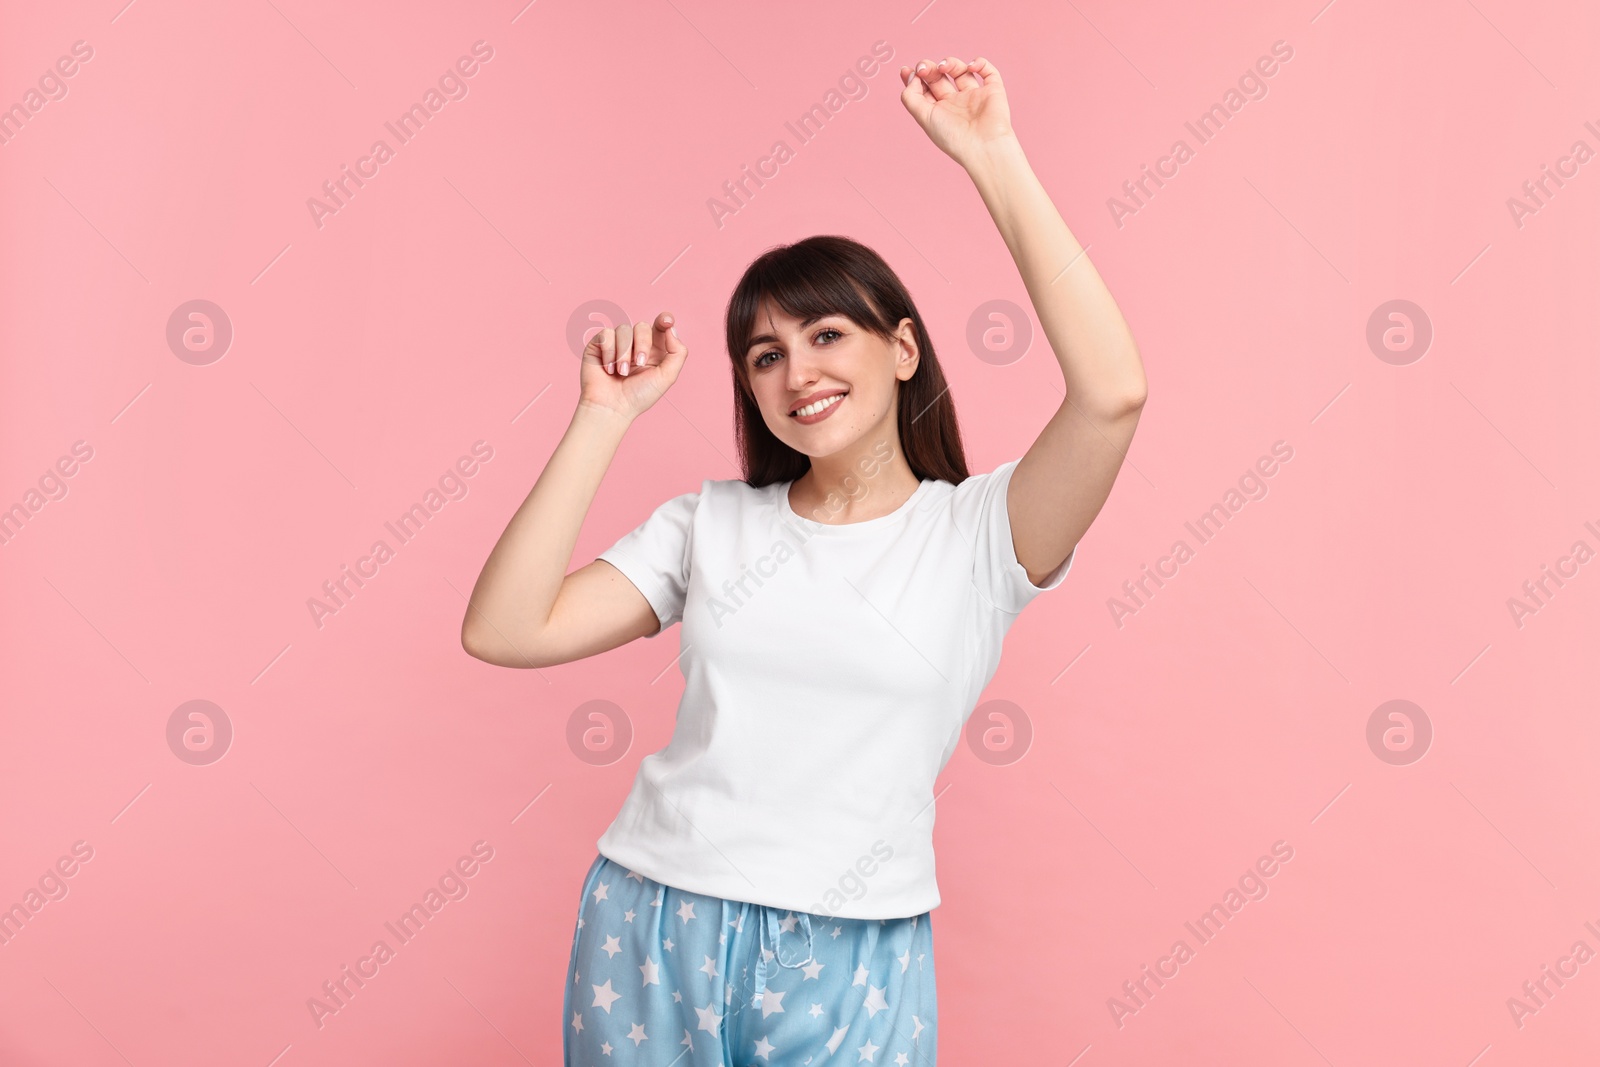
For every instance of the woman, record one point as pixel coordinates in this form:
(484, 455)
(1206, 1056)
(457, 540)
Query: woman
(764, 894)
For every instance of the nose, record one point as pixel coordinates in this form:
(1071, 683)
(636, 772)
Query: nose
(801, 373)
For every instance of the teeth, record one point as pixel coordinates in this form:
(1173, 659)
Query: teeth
(828, 402)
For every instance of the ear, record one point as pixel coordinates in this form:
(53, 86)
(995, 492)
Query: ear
(909, 355)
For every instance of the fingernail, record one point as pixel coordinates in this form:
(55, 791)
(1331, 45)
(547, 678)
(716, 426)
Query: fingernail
(624, 369)
(610, 367)
(675, 331)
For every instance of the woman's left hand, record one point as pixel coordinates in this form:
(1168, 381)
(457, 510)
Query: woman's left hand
(960, 118)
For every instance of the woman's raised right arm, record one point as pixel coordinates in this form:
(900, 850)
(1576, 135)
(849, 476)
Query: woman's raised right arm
(525, 610)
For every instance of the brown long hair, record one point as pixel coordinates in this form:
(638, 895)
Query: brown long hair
(831, 275)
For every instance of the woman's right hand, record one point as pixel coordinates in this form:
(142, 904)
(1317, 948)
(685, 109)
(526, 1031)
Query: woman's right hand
(627, 368)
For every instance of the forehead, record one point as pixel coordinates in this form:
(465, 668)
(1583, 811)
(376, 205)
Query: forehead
(769, 314)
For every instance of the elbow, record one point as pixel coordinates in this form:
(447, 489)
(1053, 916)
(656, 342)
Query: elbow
(471, 643)
(1119, 406)
(496, 649)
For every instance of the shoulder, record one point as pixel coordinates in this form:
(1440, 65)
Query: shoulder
(969, 501)
(722, 496)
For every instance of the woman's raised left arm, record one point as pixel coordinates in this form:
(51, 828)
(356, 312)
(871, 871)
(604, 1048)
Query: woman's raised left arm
(1064, 478)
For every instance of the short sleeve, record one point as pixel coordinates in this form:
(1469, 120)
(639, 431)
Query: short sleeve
(654, 556)
(998, 575)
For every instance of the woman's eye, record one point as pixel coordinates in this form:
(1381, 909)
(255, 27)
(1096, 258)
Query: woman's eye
(774, 352)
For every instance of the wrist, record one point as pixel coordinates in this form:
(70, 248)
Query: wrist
(605, 418)
(995, 154)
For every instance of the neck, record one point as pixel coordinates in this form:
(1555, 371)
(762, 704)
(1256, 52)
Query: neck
(861, 483)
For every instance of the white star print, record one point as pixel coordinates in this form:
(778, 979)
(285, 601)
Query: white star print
(861, 974)
(788, 923)
(764, 1049)
(677, 997)
(838, 1036)
(636, 876)
(605, 996)
(652, 973)
(656, 903)
(687, 1040)
(905, 961)
(867, 1051)
(900, 1059)
(813, 969)
(605, 1047)
(709, 966)
(771, 1001)
(600, 894)
(816, 1009)
(709, 1019)
(919, 1028)
(836, 931)
(577, 1021)
(636, 1035)
(738, 923)
(875, 1001)
(627, 916)
(667, 944)
(686, 910)
(611, 947)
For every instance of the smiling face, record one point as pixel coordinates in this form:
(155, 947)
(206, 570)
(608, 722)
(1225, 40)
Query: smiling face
(794, 365)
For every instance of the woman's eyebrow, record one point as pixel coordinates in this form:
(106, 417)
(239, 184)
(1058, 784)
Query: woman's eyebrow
(768, 338)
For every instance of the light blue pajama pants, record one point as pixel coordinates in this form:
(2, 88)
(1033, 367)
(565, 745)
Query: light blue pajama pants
(660, 977)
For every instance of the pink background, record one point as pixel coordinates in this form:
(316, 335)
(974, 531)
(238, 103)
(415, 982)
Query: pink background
(431, 312)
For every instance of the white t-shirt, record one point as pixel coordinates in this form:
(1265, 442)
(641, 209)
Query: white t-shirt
(829, 671)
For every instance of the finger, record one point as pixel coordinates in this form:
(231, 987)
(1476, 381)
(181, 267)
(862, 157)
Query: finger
(601, 347)
(675, 351)
(640, 349)
(984, 69)
(933, 79)
(662, 336)
(624, 346)
(959, 72)
(915, 96)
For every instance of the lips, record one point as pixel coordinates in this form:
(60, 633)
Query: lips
(814, 397)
